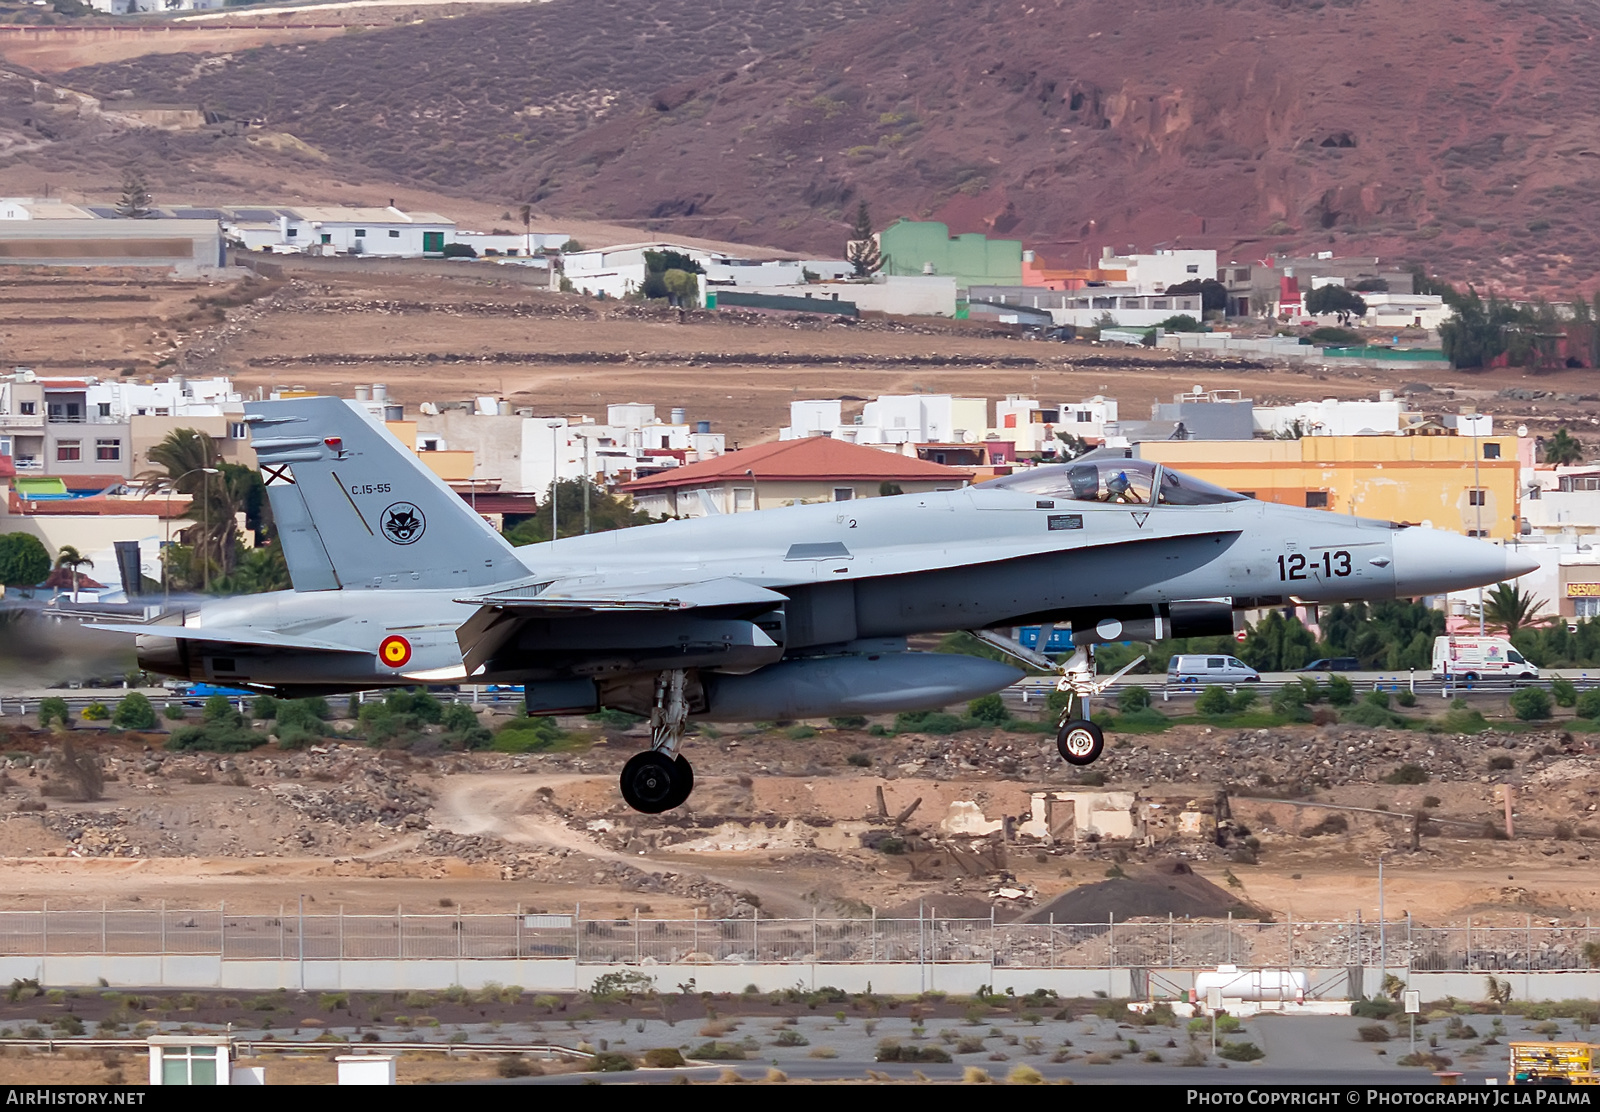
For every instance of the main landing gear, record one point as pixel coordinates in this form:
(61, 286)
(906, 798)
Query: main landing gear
(660, 779)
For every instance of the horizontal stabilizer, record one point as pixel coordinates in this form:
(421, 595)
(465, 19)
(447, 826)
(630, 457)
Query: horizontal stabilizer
(672, 596)
(224, 635)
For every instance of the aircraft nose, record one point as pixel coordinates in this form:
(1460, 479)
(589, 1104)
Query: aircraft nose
(1432, 562)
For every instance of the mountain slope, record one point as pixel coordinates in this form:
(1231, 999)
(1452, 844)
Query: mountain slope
(1458, 132)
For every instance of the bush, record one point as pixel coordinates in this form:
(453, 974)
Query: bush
(527, 735)
(1133, 698)
(1334, 337)
(1341, 693)
(1530, 703)
(1240, 1051)
(175, 712)
(1500, 762)
(1213, 701)
(460, 251)
(717, 1052)
(1181, 322)
(264, 707)
(848, 722)
(928, 722)
(1374, 1032)
(610, 1062)
(859, 760)
(1243, 699)
(302, 716)
(801, 732)
(1589, 704)
(1367, 713)
(1562, 691)
(214, 737)
(890, 1051)
(1408, 774)
(515, 1065)
(218, 708)
(96, 712)
(1289, 702)
(1377, 1007)
(663, 1058)
(134, 712)
(990, 710)
(1405, 698)
(54, 709)
(1377, 699)
(617, 719)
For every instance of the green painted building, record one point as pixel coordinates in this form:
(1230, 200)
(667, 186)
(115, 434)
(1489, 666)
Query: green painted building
(912, 247)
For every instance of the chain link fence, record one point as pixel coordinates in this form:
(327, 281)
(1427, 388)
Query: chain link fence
(1151, 944)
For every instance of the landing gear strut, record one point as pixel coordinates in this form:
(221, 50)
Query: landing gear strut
(660, 779)
(1079, 740)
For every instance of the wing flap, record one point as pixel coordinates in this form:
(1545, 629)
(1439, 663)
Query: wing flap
(229, 636)
(658, 596)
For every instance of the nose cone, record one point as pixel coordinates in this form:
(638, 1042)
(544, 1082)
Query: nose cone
(1432, 562)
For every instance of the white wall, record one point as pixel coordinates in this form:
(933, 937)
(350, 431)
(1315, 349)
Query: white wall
(913, 296)
(1331, 417)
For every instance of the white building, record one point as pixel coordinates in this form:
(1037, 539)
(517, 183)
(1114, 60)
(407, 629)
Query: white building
(1033, 427)
(329, 230)
(1153, 273)
(32, 208)
(747, 273)
(909, 295)
(1405, 310)
(620, 270)
(893, 420)
(1334, 417)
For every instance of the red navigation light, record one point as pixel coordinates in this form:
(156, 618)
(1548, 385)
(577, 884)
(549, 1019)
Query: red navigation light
(333, 442)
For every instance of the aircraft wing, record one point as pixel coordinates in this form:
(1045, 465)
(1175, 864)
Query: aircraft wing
(500, 613)
(579, 594)
(230, 636)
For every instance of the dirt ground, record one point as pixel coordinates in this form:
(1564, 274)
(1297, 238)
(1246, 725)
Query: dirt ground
(785, 824)
(440, 337)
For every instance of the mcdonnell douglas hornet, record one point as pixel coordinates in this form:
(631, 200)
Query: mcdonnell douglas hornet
(798, 612)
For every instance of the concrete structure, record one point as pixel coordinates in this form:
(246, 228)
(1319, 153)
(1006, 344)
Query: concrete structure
(1034, 427)
(788, 473)
(1088, 307)
(190, 1060)
(332, 229)
(33, 208)
(1405, 310)
(188, 247)
(1413, 478)
(892, 419)
(619, 271)
(1154, 272)
(366, 1069)
(1334, 417)
(1255, 285)
(913, 296)
(913, 247)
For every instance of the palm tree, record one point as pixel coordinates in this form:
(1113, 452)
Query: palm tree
(1563, 448)
(71, 559)
(1507, 608)
(187, 463)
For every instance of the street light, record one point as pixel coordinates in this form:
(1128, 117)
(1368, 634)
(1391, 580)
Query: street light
(555, 475)
(205, 508)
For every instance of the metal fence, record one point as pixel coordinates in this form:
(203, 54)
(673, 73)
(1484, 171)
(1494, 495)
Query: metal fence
(1153, 944)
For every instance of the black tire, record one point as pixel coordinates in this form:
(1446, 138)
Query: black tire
(1471, 677)
(682, 783)
(1080, 742)
(651, 782)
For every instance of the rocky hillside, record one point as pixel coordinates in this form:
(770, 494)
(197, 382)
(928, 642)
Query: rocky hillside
(1456, 132)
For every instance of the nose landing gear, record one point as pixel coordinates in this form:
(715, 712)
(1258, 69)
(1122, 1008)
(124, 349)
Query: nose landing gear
(1079, 741)
(660, 779)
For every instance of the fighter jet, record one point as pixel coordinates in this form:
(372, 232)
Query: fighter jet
(797, 612)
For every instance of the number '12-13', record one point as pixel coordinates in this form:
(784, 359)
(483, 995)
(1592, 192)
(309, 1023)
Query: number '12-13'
(1295, 565)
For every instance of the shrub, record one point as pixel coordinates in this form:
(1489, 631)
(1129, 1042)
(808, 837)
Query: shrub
(1133, 698)
(927, 722)
(1588, 704)
(859, 760)
(1405, 698)
(663, 1058)
(215, 737)
(717, 1052)
(790, 1037)
(264, 706)
(891, 1051)
(175, 712)
(515, 1065)
(1213, 701)
(1500, 762)
(800, 732)
(617, 719)
(96, 712)
(611, 1062)
(1408, 774)
(1528, 704)
(1367, 713)
(1290, 701)
(1562, 691)
(1243, 699)
(54, 709)
(1240, 1052)
(848, 722)
(1378, 1007)
(1377, 699)
(134, 712)
(1374, 1032)
(527, 735)
(990, 710)
(1341, 692)
(218, 708)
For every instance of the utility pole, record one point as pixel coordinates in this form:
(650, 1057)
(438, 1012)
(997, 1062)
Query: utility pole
(555, 476)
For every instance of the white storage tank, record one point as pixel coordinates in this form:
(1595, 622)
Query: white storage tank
(1250, 984)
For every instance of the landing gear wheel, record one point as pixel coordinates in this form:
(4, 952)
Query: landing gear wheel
(682, 783)
(652, 782)
(1080, 742)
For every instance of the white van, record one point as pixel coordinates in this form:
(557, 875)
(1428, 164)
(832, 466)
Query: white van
(1472, 658)
(1210, 669)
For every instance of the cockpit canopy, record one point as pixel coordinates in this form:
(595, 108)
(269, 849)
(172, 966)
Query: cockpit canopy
(1127, 481)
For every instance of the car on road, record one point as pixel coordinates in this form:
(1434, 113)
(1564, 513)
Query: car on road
(1210, 668)
(1334, 664)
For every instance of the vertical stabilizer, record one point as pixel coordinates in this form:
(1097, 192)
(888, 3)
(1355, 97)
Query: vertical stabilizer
(356, 509)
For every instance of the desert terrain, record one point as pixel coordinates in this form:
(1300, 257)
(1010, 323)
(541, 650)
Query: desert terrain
(440, 332)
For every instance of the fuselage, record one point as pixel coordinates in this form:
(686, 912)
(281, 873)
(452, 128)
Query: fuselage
(881, 568)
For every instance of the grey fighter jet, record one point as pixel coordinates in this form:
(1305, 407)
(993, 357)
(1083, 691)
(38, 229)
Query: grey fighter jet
(790, 613)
